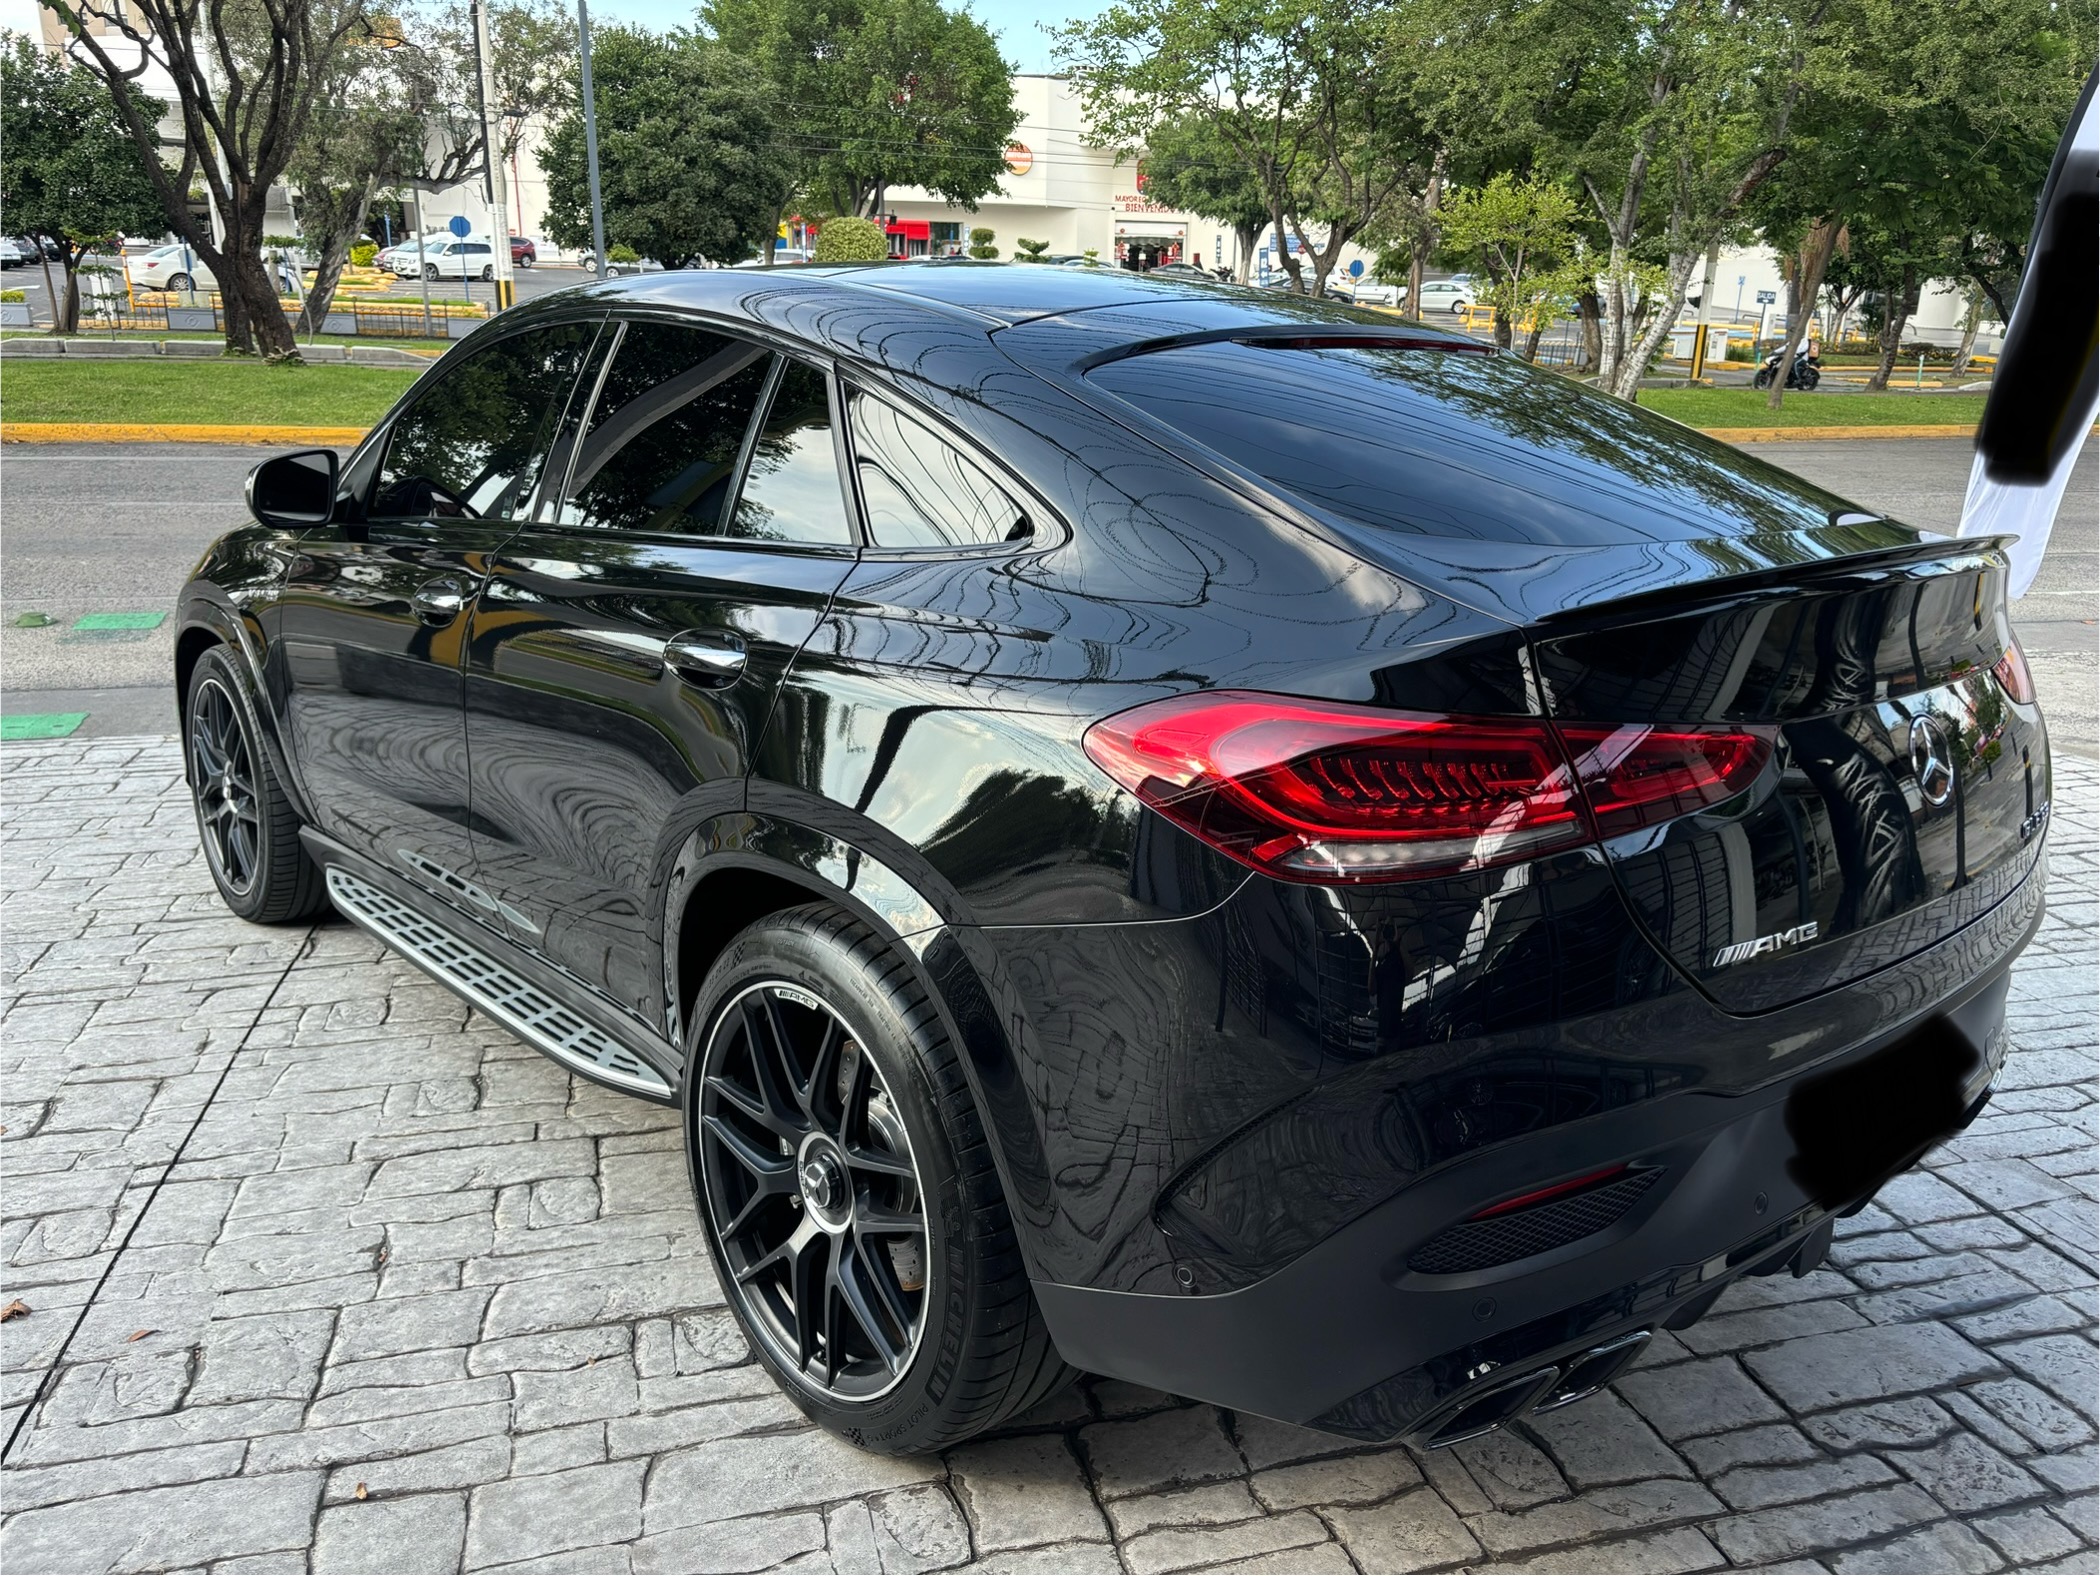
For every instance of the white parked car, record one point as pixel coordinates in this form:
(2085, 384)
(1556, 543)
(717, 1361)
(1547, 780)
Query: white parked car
(453, 259)
(410, 257)
(176, 267)
(13, 254)
(1369, 292)
(1445, 295)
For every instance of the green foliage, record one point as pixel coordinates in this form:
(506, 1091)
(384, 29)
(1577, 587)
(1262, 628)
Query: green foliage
(13, 297)
(883, 93)
(850, 240)
(622, 254)
(690, 158)
(69, 170)
(234, 391)
(1316, 100)
(981, 246)
(1521, 235)
(362, 254)
(1189, 166)
(1027, 251)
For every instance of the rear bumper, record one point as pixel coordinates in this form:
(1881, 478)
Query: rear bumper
(1349, 1337)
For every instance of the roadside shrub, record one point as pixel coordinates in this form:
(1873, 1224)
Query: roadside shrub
(1027, 251)
(622, 254)
(981, 246)
(1741, 350)
(362, 254)
(849, 240)
(11, 297)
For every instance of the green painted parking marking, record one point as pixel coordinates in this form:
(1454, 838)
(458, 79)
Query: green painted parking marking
(41, 724)
(89, 623)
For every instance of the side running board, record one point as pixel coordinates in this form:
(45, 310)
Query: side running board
(505, 995)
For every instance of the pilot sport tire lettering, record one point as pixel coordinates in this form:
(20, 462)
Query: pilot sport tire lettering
(822, 1095)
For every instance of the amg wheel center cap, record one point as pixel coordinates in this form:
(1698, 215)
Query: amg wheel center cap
(820, 1177)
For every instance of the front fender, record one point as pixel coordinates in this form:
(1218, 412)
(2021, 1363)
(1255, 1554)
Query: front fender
(226, 602)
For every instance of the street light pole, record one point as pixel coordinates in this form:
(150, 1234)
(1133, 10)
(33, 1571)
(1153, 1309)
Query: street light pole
(590, 137)
(491, 166)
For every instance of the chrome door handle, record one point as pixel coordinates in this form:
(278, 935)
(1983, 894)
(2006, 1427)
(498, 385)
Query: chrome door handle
(439, 601)
(710, 658)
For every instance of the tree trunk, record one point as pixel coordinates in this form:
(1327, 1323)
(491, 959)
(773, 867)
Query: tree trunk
(1896, 309)
(1676, 286)
(244, 278)
(1531, 339)
(1589, 314)
(68, 309)
(1503, 329)
(1426, 237)
(1248, 237)
(1806, 286)
(1611, 353)
(50, 290)
(1971, 321)
(335, 252)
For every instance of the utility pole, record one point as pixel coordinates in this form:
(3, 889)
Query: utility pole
(491, 166)
(590, 138)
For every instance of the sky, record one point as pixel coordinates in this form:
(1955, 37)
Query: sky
(1013, 22)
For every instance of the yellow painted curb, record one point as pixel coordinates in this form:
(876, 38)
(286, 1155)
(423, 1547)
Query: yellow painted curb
(164, 432)
(1779, 434)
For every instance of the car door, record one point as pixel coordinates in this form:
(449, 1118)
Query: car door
(626, 651)
(376, 609)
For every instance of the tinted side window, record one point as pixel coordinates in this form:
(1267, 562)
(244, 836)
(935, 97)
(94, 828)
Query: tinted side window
(661, 448)
(472, 445)
(919, 490)
(792, 493)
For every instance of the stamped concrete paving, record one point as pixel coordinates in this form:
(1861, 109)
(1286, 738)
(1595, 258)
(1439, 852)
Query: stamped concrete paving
(325, 1272)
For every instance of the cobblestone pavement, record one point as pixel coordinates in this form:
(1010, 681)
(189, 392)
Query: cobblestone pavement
(323, 1272)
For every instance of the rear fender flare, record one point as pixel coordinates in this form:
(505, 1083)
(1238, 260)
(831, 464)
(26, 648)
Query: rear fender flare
(924, 919)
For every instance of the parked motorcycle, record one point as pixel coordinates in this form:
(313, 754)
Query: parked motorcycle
(1805, 373)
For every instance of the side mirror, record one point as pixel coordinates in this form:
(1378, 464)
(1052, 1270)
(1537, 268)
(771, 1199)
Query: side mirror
(294, 490)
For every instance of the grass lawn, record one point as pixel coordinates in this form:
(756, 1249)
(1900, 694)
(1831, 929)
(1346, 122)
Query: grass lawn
(1746, 408)
(203, 392)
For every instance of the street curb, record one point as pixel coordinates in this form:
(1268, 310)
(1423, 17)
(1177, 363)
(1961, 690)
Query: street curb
(161, 432)
(1781, 434)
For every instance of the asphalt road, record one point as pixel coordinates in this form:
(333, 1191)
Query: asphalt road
(117, 528)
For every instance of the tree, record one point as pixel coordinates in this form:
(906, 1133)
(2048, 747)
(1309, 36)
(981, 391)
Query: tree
(850, 240)
(1668, 115)
(981, 246)
(882, 92)
(365, 132)
(1928, 150)
(1516, 232)
(1187, 166)
(69, 171)
(246, 79)
(690, 164)
(1315, 99)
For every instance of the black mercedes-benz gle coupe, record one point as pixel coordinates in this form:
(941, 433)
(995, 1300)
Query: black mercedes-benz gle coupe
(1243, 844)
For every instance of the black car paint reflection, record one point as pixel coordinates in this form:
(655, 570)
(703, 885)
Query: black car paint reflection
(1201, 1079)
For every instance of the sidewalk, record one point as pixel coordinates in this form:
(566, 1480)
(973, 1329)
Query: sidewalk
(322, 1272)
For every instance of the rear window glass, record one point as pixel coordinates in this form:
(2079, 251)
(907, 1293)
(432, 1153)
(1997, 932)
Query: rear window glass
(1456, 444)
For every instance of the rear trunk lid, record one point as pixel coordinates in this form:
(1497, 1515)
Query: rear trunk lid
(1908, 789)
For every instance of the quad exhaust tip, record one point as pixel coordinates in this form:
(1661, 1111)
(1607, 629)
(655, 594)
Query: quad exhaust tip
(1487, 1408)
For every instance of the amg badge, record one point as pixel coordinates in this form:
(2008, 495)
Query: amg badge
(1743, 951)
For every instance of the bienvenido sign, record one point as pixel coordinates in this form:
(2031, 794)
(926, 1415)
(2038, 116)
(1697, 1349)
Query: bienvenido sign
(1138, 202)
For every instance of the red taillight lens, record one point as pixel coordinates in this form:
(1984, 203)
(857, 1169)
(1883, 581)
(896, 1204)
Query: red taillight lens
(1320, 791)
(1635, 776)
(2013, 674)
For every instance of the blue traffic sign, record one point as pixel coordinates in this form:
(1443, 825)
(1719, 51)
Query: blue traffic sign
(1356, 268)
(459, 226)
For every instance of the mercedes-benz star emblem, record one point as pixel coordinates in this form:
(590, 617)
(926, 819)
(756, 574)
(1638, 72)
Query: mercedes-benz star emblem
(1932, 759)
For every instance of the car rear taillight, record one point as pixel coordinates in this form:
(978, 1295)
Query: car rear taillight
(1321, 791)
(2013, 674)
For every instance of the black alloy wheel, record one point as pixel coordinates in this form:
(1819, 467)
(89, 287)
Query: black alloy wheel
(222, 776)
(246, 822)
(813, 1192)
